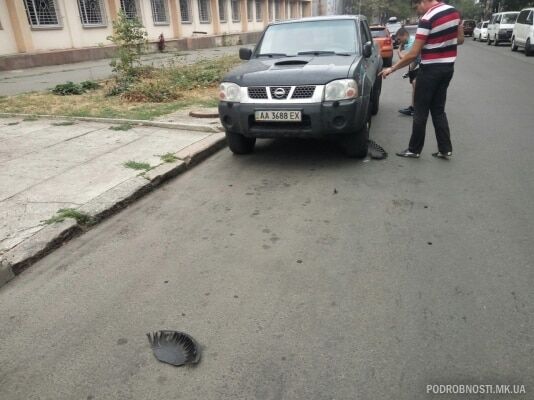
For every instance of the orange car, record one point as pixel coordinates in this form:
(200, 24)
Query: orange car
(382, 37)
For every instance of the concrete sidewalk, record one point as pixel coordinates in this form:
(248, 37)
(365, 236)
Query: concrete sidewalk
(42, 78)
(46, 165)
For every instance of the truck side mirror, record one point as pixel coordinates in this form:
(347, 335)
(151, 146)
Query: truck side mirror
(245, 53)
(367, 49)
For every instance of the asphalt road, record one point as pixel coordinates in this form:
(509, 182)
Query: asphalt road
(415, 272)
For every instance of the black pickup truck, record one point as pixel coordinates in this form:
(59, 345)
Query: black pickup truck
(314, 77)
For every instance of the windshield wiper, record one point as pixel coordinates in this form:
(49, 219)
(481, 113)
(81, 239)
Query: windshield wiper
(272, 55)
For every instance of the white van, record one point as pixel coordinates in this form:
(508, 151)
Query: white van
(523, 34)
(501, 26)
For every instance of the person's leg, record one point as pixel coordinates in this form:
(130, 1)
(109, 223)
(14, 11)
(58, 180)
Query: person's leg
(439, 117)
(424, 92)
(413, 92)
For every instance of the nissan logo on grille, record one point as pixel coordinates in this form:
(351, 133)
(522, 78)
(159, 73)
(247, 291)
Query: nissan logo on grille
(279, 93)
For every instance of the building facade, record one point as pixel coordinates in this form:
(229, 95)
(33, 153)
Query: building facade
(36, 26)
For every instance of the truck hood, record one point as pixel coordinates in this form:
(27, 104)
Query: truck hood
(291, 71)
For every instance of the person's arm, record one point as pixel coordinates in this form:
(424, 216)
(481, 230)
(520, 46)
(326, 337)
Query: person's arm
(461, 37)
(407, 59)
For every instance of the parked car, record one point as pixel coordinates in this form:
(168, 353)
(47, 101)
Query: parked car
(469, 27)
(393, 26)
(382, 37)
(501, 26)
(481, 31)
(313, 77)
(523, 33)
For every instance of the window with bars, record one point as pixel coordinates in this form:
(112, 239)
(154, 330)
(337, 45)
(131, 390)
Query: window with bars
(222, 10)
(250, 10)
(258, 10)
(204, 11)
(185, 11)
(159, 12)
(92, 12)
(129, 8)
(236, 12)
(42, 13)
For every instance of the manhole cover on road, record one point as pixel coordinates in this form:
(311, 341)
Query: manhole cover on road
(175, 348)
(207, 113)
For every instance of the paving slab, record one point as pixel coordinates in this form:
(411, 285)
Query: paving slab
(45, 168)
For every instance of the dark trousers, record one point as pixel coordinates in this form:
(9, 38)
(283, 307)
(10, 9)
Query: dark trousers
(430, 95)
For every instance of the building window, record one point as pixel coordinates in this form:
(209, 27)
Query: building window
(277, 10)
(258, 10)
(222, 10)
(159, 12)
(250, 10)
(42, 13)
(185, 11)
(204, 11)
(129, 8)
(91, 12)
(236, 12)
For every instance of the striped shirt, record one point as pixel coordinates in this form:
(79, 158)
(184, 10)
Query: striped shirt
(438, 28)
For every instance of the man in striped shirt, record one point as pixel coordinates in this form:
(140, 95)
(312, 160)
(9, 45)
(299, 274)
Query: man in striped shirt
(438, 34)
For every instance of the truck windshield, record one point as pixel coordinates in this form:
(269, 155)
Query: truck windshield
(317, 37)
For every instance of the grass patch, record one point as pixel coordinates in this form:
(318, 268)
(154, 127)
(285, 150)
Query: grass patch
(64, 213)
(122, 127)
(137, 165)
(168, 158)
(158, 92)
(31, 118)
(63, 123)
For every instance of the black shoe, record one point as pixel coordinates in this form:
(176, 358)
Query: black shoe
(445, 156)
(407, 111)
(407, 153)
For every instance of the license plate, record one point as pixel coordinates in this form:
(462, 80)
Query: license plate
(278, 116)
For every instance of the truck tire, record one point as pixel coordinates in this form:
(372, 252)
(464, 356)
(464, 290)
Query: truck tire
(240, 144)
(514, 46)
(529, 49)
(375, 95)
(387, 62)
(356, 144)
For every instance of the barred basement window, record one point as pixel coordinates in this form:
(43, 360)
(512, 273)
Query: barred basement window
(129, 8)
(204, 11)
(250, 11)
(42, 13)
(91, 12)
(159, 12)
(258, 10)
(236, 12)
(185, 10)
(222, 10)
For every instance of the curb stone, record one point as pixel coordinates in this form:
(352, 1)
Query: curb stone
(170, 125)
(16, 260)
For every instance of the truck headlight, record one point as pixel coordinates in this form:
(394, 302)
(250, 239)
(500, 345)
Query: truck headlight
(341, 89)
(230, 92)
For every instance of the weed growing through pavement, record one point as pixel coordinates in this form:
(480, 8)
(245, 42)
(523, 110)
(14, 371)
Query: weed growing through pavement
(62, 214)
(137, 165)
(122, 127)
(168, 158)
(31, 118)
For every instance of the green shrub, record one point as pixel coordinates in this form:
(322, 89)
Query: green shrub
(89, 85)
(69, 88)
